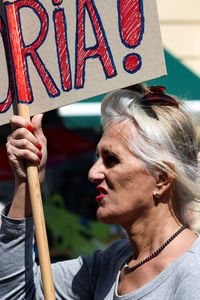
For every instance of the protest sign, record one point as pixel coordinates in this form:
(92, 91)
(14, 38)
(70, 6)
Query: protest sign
(76, 49)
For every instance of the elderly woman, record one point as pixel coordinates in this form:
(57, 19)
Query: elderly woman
(145, 176)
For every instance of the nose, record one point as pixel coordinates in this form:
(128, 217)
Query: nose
(96, 173)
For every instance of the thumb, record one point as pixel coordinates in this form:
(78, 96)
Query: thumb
(37, 125)
(37, 122)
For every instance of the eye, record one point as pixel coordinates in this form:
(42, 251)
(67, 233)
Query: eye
(110, 160)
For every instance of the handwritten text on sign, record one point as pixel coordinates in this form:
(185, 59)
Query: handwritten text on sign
(72, 50)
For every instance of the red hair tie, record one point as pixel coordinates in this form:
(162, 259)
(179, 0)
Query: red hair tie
(156, 95)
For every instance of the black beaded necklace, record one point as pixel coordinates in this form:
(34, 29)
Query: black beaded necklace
(133, 268)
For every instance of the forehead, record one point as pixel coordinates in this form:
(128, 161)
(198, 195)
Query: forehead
(116, 137)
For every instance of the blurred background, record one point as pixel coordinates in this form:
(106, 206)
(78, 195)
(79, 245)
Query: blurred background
(73, 132)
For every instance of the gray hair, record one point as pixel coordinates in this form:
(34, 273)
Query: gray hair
(166, 136)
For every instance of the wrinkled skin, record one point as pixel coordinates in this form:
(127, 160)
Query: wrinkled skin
(22, 145)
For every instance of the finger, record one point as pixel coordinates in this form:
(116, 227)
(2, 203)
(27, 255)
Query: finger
(38, 132)
(23, 133)
(21, 154)
(25, 144)
(18, 122)
(37, 121)
(23, 138)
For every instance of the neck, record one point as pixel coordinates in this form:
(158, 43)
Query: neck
(147, 234)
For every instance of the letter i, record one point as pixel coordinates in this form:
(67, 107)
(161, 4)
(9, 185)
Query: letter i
(62, 46)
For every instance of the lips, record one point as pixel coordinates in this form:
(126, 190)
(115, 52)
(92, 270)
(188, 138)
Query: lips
(102, 192)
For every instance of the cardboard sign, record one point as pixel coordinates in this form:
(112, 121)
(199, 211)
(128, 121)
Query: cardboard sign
(76, 49)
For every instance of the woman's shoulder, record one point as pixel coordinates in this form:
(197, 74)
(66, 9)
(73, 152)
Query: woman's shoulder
(194, 250)
(191, 259)
(186, 269)
(189, 273)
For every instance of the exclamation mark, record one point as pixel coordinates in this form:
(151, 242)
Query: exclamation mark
(131, 28)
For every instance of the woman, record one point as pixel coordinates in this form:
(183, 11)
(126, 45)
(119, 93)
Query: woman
(146, 177)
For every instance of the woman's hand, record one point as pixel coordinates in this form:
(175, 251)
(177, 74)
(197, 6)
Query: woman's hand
(27, 143)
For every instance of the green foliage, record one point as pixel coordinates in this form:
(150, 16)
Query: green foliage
(71, 235)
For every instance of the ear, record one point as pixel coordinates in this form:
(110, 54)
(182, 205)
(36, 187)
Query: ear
(164, 180)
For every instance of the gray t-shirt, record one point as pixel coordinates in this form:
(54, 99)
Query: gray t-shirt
(86, 277)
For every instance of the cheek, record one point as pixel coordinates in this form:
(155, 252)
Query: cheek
(129, 178)
(137, 183)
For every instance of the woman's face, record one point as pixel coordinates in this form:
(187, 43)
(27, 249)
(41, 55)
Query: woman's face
(125, 186)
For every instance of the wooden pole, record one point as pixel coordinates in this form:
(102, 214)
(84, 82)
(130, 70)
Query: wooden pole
(32, 171)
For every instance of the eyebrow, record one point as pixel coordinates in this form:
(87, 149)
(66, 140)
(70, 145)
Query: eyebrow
(106, 152)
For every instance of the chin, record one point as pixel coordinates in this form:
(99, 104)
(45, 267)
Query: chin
(107, 219)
